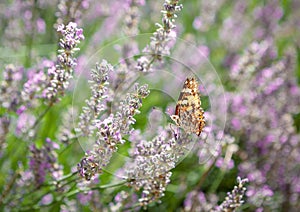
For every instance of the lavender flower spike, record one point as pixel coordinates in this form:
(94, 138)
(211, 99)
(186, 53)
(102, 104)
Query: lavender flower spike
(43, 161)
(234, 199)
(110, 133)
(95, 104)
(150, 170)
(60, 75)
(9, 93)
(160, 41)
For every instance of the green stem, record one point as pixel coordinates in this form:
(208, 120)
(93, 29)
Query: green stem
(72, 193)
(8, 187)
(67, 176)
(131, 207)
(41, 116)
(49, 184)
(77, 191)
(67, 183)
(205, 174)
(217, 182)
(151, 62)
(70, 144)
(109, 185)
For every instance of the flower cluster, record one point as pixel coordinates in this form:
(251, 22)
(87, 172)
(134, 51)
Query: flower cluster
(234, 199)
(161, 40)
(267, 18)
(69, 10)
(208, 13)
(130, 106)
(96, 104)
(9, 87)
(110, 132)
(19, 30)
(198, 201)
(25, 124)
(235, 27)
(262, 112)
(123, 201)
(251, 60)
(150, 169)
(131, 18)
(61, 73)
(36, 84)
(43, 162)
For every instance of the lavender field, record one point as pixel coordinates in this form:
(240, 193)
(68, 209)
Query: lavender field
(142, 105)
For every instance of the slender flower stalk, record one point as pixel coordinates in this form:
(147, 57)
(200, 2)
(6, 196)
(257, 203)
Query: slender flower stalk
(32, 86)
(130, 29)
(4, 130)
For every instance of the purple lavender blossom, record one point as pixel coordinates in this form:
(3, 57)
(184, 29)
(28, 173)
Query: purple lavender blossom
(161, 39)
(36, 83)
(131, 18)
(110, 133)
(9, 87)
(245, 66)
(85, 198)
(96, 103)
(43, 162)
(124, 201)
(24, 125)
(60, 75)
(150, 169)
(47, 199)
(235, 27)
(199, 201)
(208, 12)
(69, 10)
(267, 18)
(262, 112)
(234, 199)
(23, 22)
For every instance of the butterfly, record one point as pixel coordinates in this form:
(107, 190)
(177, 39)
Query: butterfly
(188, 113)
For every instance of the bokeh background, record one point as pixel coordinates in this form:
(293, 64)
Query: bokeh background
(246, 58)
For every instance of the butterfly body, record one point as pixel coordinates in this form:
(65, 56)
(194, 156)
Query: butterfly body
(188, 112)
